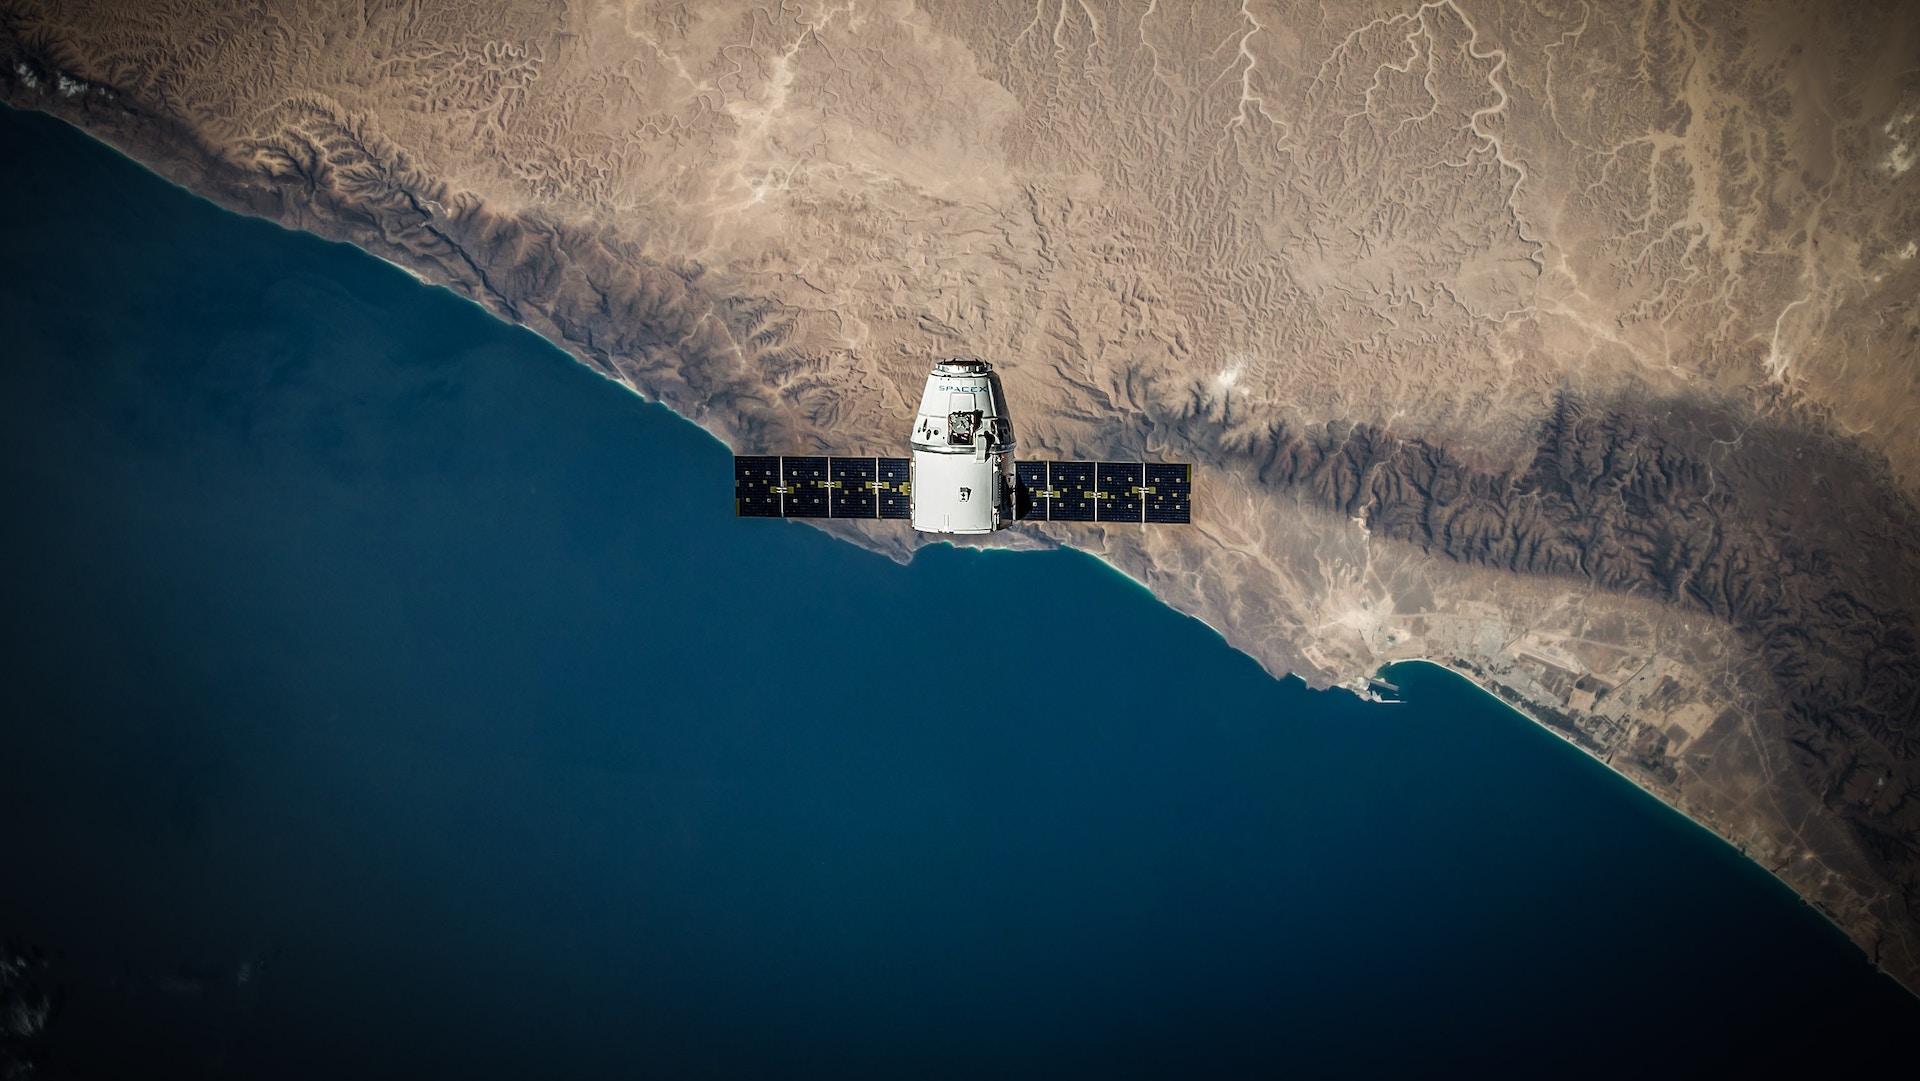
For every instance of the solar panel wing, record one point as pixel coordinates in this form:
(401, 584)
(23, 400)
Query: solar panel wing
(756, 483)
(895, 491)
(1073, 485)
(1030, 501)
(852, 492)
(805, 478)
(1120, 491)
(1169, 492)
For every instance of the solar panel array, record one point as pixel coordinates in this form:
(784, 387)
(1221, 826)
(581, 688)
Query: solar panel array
(806, 487)
(756, 486)
(896, 499)
(1071, 491)
(1032, 498)
(854, 493)
(1169, 493)
(816, 486)
(1158, 492)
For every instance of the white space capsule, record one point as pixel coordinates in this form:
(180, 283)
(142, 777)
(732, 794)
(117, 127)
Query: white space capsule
(962, 477)
(963, 474)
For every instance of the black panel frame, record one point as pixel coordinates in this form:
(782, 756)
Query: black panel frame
(756, 486)
(805, 480)
(852, 492)
(1032, 497)
(896, 488)
(1169, 493)
(1073, 485)
(1120, 499)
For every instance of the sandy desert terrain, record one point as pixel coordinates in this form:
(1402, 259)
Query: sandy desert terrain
(1571, 343)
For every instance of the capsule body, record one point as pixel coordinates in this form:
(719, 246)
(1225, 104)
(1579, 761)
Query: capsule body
(963, 476)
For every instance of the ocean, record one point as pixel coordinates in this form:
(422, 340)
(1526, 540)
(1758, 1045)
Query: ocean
(384, 694)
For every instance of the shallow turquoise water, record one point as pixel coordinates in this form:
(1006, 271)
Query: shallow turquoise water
(387, 695)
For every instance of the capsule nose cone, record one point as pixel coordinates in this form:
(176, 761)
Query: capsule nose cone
(962, 366)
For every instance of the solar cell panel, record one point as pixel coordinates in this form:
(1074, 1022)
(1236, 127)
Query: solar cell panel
(1119, 494)
(756, 483)
(1073, 485)
(896, 488)
(769, 486)
(1169, 493)
(852, 492)
(805, 478)
(1031, 497)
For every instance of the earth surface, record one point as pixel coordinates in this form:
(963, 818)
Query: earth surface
(1572, 345)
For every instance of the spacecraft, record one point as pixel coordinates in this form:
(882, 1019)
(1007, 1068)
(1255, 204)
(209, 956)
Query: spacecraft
(962, 476)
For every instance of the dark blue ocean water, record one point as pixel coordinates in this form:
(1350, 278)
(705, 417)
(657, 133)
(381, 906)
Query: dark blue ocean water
(384, 695)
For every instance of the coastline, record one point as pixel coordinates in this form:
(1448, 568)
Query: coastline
(205, 173)
(1464, 671)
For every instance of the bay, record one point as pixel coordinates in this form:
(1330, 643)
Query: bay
(383, 694)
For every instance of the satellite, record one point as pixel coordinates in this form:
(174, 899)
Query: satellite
(962, 476)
